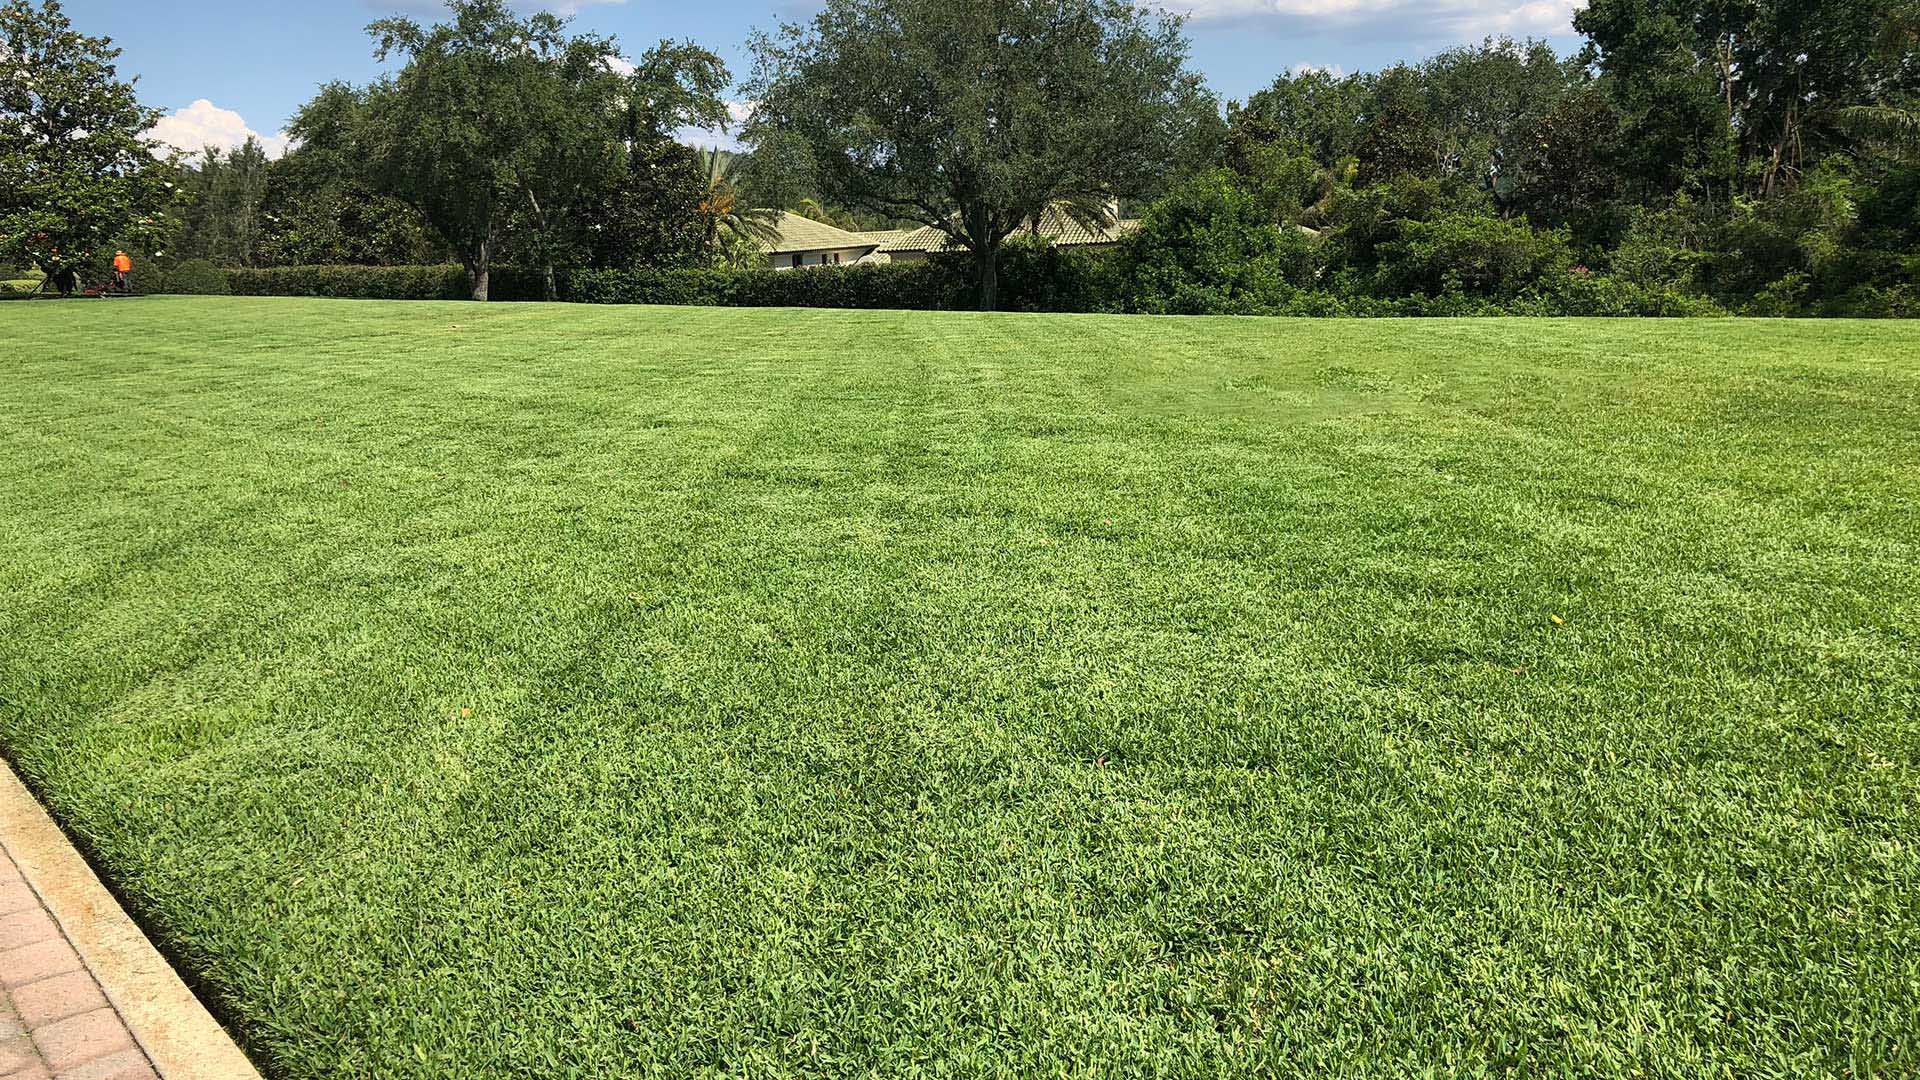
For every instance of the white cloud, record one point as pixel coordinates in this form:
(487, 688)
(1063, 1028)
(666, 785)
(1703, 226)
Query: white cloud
(204, 124)
(1407, 18)
(439, 7)
(737, 111)
(1308, 67)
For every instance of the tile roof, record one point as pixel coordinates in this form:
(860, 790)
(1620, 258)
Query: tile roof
(805, 234)
(1054, 225)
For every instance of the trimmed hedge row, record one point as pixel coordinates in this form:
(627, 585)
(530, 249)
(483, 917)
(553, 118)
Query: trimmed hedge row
(1030, 281)
(193, 277)
(918, 286)
(923, 286)
(354, 282)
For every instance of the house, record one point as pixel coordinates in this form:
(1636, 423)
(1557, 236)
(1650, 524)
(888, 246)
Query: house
(1054, 226)
(803, 241)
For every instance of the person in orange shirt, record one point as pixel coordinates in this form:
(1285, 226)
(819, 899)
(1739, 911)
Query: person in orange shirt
(122, 272)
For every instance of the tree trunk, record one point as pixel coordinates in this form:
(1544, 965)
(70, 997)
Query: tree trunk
(548, 291)
(479, 268)
(987, 259)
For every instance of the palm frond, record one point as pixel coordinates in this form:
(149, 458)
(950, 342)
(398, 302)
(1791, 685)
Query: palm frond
(1889, 124)
(761, 225)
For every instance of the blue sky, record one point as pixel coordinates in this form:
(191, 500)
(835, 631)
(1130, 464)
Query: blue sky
(223, 68)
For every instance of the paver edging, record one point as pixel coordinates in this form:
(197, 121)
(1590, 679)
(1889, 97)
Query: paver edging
(177, 1033)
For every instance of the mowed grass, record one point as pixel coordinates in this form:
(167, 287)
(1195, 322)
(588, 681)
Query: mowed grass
(572, 691)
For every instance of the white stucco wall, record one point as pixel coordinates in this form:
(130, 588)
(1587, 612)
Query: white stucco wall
(846, 257)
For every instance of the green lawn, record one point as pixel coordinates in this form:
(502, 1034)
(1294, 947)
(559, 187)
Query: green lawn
(573, 691)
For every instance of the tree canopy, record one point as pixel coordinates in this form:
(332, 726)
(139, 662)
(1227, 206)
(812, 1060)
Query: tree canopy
(499, 118)
(1750, 155)
(76, 171)
(975, 116)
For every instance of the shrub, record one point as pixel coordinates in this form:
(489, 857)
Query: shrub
(930, 285)
(1210, 248)
(1470, 254)
(1783, 254)
(926, 285)
(1662, 249)
(1600, 295)
(354, 282)
(1037, 276)
(192, 277)
(1878, 301)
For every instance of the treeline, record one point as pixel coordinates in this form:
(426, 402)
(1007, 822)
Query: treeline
(501, 138)
(1761, 156)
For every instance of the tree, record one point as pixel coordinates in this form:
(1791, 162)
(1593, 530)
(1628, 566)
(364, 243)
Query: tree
(222, 221)
(594, 122)
(320, 206)
(1743, 94)
(651, 215)
(443, 134)
(1325, 112)
(76, 172)
(724, 213)
(1402, 136)
(498, 118)
(1485, 101)
(572, 152)
(1562, 166)
(975, 116)
(1279, 170)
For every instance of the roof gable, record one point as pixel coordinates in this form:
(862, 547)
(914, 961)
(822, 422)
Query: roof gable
(1055, 225)
(805, 234)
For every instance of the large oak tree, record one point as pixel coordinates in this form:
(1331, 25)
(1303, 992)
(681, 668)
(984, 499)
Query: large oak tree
(497, 117)
(76, 171)
(973, 116)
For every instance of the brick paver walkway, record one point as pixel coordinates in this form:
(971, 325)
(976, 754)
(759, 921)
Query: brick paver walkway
(55, 1023)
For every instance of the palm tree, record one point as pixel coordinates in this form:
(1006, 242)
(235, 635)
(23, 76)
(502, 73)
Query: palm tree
(1889, 122)
(722, 207)
(1892, 126)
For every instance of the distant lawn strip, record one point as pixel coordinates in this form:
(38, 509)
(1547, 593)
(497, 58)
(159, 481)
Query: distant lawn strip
(568, 691)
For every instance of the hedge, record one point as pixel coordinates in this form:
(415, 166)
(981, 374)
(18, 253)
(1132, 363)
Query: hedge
(916, 286)
(922, 285)
(193, 277)
(1031, 280)
(354, 282)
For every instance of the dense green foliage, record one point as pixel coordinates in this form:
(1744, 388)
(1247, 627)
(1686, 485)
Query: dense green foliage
(976, 116)
(506, 135)
(574, 691)
(465, 134)
(223, 219)
(1758, 158)
(447, 282)
(1034, 278)
(924, 286)
(1211, 247)
(76, 174)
